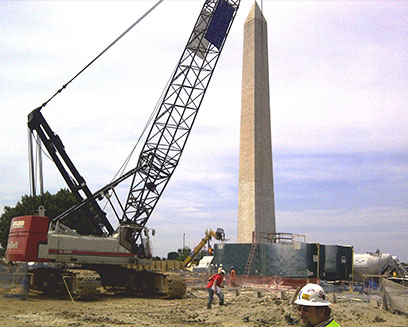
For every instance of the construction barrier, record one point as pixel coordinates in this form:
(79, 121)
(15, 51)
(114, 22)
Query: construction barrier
(200, 279)
(273, 281)
(197, 279)
(394, 295)
(14, 280)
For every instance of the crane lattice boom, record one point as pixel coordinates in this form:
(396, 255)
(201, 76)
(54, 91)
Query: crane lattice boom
(172, 125)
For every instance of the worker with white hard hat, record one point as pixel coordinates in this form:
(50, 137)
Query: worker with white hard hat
(314, 308)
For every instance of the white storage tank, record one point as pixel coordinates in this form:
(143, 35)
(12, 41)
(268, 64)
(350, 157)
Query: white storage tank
(370, 264)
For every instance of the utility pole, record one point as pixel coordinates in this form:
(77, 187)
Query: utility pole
(184, 241)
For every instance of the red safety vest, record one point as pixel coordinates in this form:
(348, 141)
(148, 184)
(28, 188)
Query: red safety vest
(216, 278)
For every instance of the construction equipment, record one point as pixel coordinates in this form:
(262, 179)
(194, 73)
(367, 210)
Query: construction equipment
(377, 264)
(65, 259)
(218, 235)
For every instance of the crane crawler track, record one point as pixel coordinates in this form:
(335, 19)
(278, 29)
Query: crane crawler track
(149, 283)
(84, 283)
(176, 286)
(80, 283)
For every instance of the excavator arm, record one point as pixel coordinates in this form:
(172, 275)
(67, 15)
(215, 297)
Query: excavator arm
(218, 235)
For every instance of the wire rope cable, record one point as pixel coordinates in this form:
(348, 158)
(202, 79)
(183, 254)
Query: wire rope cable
(152, 115)
(106, 49)
(122, 169)
(89, 64)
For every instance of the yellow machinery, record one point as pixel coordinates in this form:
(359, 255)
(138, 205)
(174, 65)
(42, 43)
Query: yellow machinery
(218, 235)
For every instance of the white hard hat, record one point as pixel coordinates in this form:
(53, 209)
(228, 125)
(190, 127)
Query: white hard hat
(312, 295)
(222, 272)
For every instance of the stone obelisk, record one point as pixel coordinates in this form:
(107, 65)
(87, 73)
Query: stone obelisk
(256, 206)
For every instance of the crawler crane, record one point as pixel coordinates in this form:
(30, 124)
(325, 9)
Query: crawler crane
(110, 258)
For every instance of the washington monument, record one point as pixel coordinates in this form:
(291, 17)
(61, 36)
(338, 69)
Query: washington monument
(256, 207)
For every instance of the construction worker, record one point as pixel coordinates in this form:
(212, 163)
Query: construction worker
(314, 308)
(210, 250)
(214, 286)
(232, 276)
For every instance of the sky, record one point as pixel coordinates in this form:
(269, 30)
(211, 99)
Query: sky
(338, 97)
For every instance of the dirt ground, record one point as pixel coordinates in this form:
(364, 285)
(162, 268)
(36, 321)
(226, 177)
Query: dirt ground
(245, 309)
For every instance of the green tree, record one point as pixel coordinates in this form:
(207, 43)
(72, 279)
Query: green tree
(183, 253)
(54, 205)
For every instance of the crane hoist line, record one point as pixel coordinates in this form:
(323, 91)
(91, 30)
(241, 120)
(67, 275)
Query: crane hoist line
(112, 253)
(106, 49)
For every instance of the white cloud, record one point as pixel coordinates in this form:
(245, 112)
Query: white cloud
(365, 228)
(338, 92)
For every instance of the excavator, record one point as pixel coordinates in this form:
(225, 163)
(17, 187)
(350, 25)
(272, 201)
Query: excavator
(63, 259)
(218, 235)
